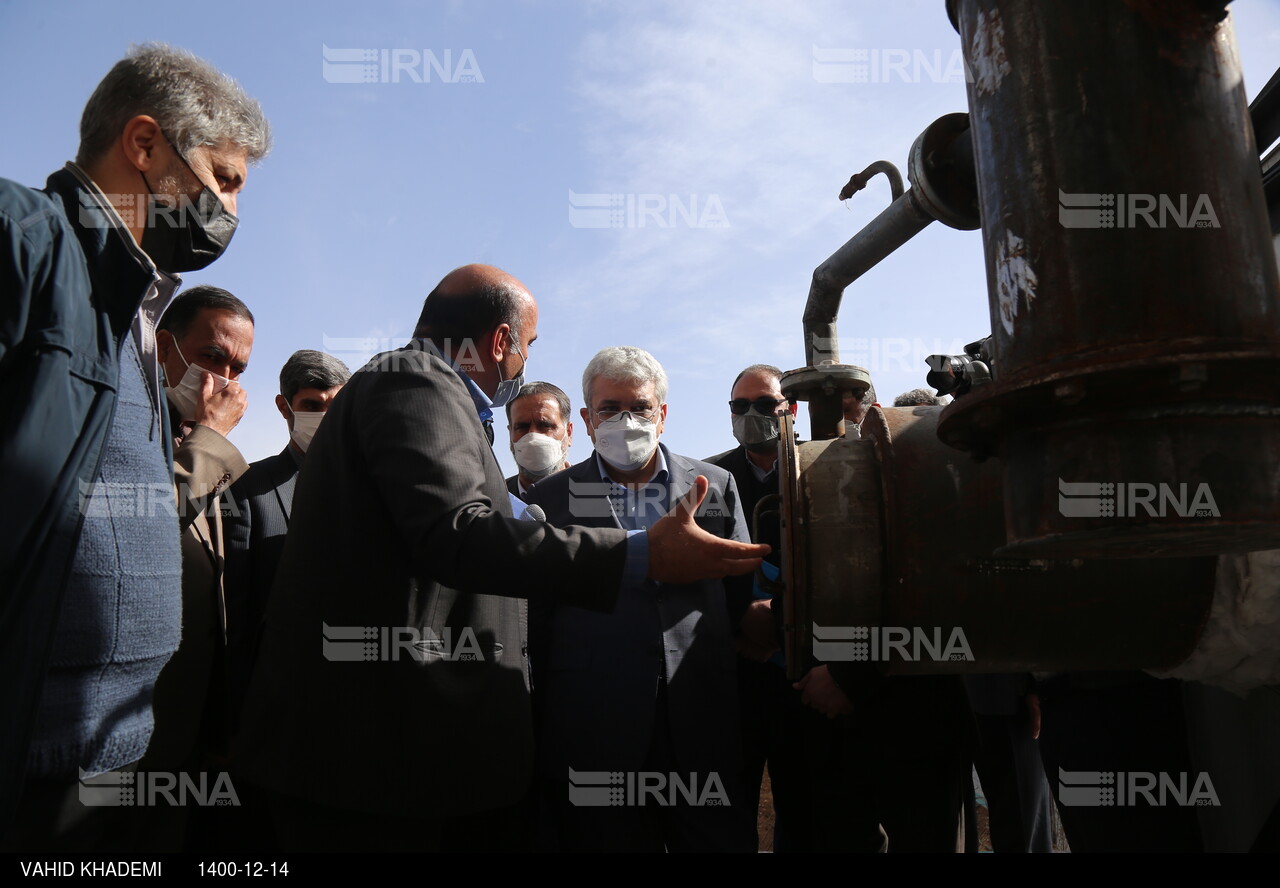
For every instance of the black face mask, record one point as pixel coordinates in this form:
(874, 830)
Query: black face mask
(191, 236)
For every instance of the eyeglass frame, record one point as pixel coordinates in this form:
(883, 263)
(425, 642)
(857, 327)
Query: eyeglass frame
(600, 415)
(755, 403)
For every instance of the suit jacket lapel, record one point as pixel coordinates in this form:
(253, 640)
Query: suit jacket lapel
(681, 475)
(286, 474)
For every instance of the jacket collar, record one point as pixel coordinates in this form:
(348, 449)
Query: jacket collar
(680, 472)
(119, 271)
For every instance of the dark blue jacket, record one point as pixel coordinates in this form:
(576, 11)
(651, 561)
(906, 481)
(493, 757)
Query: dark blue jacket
(69, 290)
(595, 673)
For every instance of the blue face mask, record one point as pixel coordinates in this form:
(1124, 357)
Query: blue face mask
(509, 388)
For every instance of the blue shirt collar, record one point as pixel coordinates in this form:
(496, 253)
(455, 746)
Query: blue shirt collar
(484, 406)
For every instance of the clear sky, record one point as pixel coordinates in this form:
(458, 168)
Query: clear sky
(498, 131)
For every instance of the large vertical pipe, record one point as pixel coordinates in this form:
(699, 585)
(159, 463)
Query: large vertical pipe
(1132, 284)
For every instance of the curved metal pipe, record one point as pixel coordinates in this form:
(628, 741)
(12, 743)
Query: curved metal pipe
(858, 181)
(901, 221)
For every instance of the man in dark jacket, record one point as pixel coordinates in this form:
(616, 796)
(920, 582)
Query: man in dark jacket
(645, 691)
(390, 706)
(91, 607)
(256, 526)
(770, 708)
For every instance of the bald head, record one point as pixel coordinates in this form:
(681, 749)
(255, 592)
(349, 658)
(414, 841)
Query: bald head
(470, 278)
(484, 320)
(471, 301)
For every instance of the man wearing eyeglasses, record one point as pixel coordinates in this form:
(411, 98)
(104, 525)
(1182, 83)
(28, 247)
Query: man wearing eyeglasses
(770, 707)
(642, 698)
(755, 403)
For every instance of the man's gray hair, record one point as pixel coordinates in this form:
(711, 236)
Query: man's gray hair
(193, 102)
(311, 369)
(918, 398)
(624, 363)
(546, 390)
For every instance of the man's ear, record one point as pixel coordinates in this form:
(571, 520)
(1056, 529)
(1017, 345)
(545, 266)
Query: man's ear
(568, 434)
(499, 343)
(283, 406)
(138, 140)
(164, 345)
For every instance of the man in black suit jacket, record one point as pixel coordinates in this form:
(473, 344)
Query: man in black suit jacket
(256, 527)
(541, 435)
(390, 706)
(771, 712)
(647, 691)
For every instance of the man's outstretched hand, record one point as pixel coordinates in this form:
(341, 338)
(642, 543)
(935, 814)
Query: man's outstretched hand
(682, 552)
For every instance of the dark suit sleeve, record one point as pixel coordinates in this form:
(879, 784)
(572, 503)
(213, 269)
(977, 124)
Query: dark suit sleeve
(237, 529)
(739, 590)
(430, 462)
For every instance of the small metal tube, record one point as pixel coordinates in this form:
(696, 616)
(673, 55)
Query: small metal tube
(901, 221)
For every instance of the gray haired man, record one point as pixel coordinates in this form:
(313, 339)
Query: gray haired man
(649, 688)
(92, 604)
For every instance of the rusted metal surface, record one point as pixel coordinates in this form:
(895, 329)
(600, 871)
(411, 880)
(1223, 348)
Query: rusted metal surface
(1132, 284)
(794, 573)
(899, 530)
(823, 387)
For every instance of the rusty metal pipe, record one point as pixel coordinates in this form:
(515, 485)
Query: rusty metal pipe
(901, 221)
(898, 530)
(1132, 281)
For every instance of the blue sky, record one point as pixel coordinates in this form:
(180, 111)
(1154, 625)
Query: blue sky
(715, 117)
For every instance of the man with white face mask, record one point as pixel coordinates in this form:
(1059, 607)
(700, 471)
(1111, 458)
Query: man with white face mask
(648, 689)
(203, 341)
(540, 434)
(256, 528)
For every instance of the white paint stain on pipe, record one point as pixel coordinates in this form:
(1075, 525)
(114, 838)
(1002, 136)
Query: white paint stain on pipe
(1015, 279)
(989, 62)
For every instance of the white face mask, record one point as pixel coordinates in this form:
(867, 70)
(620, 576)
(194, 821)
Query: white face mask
(304, 428)
(539, 456)
(625, 442)
(186, 393)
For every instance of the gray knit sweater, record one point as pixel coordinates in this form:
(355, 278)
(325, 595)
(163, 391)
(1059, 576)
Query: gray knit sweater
(121, 618)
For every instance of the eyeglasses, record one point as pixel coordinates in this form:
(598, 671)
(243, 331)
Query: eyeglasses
(764, 406)
(606, 415)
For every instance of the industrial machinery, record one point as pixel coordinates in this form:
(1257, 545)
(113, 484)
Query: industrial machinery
(1120, 427)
